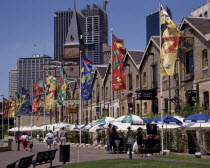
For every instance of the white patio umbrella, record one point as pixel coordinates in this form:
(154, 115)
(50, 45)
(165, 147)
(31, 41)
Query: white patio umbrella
(134, 119)
(105, 120)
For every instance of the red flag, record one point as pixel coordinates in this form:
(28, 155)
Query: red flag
(37, 100)
(6, 105)
(118, 67)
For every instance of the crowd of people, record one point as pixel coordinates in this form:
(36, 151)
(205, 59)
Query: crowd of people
(112, 136)
(51, 138)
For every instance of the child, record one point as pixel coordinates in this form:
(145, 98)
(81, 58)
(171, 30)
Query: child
(55, 140)
(30, 139)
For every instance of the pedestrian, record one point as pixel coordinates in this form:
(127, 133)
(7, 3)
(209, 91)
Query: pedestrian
(139, 139)
(62, 136)
(108, 133)
(114, 136)
(24, 139)
(49, 139)
(130, 137)
(55, 140)
(31, 143)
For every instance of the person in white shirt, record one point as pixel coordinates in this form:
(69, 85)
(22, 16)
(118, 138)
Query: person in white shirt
(55, 139)
(49, 139)
(24, 139)
(130, 137)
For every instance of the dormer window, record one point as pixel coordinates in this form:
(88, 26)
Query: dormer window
(72, 38)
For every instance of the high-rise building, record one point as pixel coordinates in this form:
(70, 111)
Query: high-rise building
(29, 70)
(95, 31)
(12, 81)
(153, 23)
(202, 11)
(62, 21)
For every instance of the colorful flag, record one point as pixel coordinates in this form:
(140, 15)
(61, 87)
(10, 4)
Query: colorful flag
(18, 101)
(50, 92)
(62, 86)
(86, 88)
(25, 102)
(118, 67)
(5, 108)
(169, 43)
(37, 97)
(12, 107)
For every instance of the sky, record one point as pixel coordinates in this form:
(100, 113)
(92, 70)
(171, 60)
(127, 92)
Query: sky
(27, 26)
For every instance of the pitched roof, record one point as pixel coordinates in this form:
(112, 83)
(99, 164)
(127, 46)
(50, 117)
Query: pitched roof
(75, 30)
(136, 55)
(156, 40)
(102, 71)
(200, 24)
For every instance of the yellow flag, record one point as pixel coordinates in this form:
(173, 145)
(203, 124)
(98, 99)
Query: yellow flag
(50, 92)
(169, 43)
(12, 107)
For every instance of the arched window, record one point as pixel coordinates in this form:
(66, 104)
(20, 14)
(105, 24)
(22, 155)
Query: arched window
(205, 14)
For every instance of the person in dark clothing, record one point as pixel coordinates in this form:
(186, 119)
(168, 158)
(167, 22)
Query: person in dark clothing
(115, 136)
(139, 138)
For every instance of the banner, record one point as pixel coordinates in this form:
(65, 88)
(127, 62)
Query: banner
(86, 80)
(18, 102)
(50, 92)
(25, 109)
(12, 107)
(37, 97)
(118, 67)
(62, 86)
(5, 108)
(169, 43)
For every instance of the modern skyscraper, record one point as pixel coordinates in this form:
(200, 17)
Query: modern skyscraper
(62, 22)
(95, 32)
(12, 81)
(29, 71)
(153, 24)
(202, 11)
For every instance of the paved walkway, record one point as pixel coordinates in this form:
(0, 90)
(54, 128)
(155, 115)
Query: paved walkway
(76, 155)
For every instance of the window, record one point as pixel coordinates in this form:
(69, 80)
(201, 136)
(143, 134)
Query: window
(137, 81)
(205, 14)
(206, 100)
(93, 94)
(144, 79)
(130, 85)
(166, 105)
(189, 62)
(106, 92)
(205, 58)
(145, 107)
(155, 76)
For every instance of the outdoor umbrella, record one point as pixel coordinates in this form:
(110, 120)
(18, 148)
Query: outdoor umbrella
(168, 122)
(132, 119)
(198, 118)
(105, 120)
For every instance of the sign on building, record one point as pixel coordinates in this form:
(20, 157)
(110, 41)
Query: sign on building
(145, 94)
(72, 110)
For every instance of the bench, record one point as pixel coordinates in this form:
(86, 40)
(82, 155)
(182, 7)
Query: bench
(23, 162)
(44, 158)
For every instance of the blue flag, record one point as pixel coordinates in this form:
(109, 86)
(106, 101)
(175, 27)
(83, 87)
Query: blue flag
(25, 101)
(86, 79)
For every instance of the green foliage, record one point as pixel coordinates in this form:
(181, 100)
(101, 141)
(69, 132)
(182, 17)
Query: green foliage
(152, 115)
(186, 110)
(73, 137)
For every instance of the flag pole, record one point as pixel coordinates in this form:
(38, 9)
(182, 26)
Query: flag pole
(2, 117)
(8, 120)
(161, 86)
(111, 106)
(80, 102)
(32, 93)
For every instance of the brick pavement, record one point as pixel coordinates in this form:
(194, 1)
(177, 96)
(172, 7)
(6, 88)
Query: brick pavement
(76, 155)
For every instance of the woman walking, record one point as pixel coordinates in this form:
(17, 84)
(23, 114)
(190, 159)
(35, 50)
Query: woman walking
(24, 139)
(49, 139)
(139, 139)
